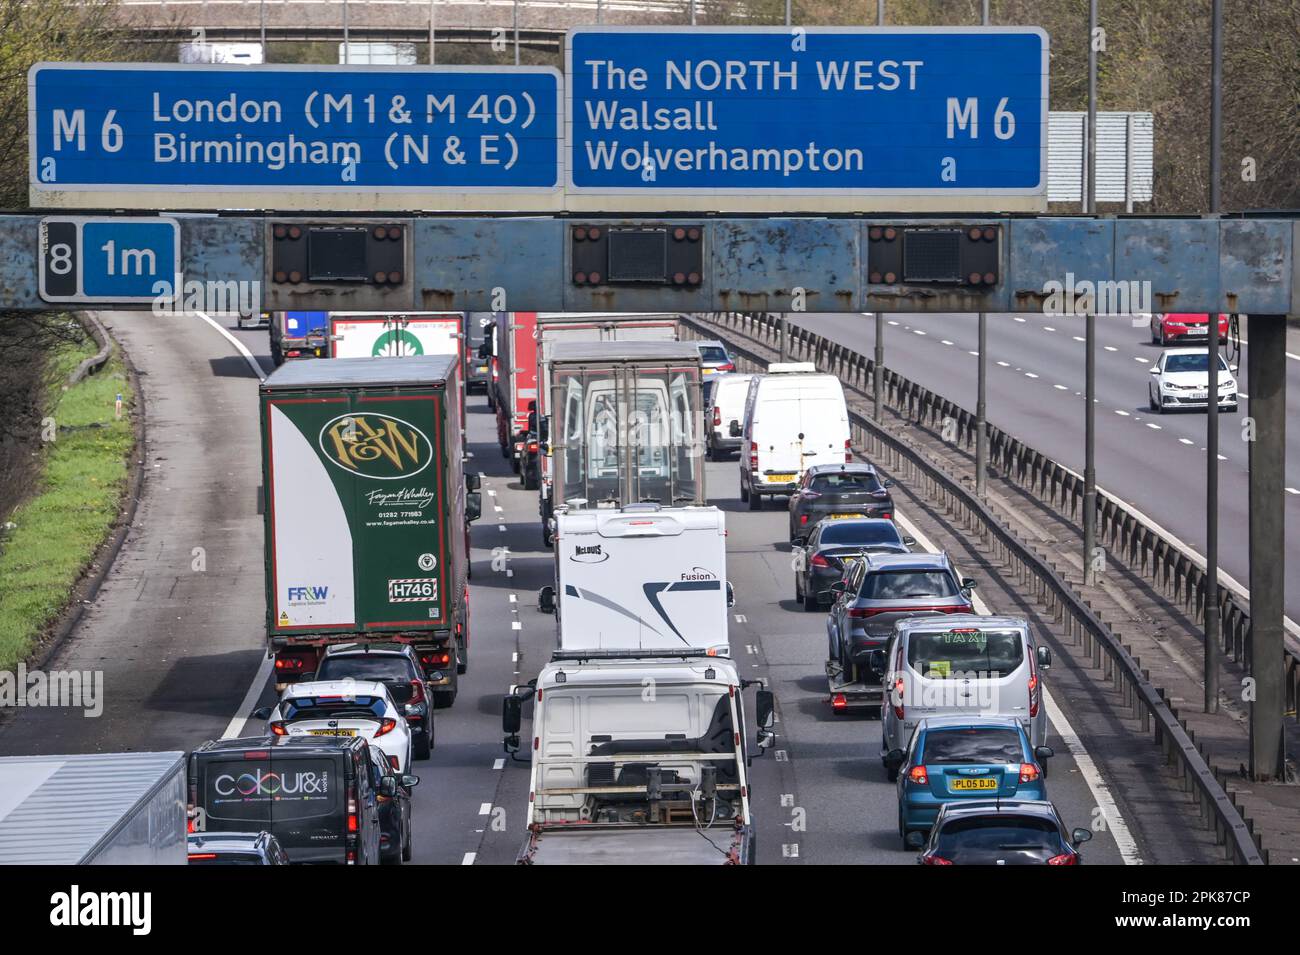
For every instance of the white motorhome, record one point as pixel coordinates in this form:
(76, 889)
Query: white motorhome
(794, 418)
(641, 577)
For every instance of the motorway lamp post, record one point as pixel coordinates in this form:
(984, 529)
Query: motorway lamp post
(433, 56)
(878, 369)
(981, 388)
(1090, 333)
(515, 14)
(1212, 404)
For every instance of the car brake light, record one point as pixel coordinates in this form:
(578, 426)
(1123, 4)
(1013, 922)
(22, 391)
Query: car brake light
(860, 612)
(1065, 858)
(935, 860)
(352, 857)
(918, 775)
(839, 702)
(189, 825)
(819, 561)
(887, 516)
(435, 659)
(848, 451)
(386, 726)
(717, 416)
(532, 446)
(727, 367)
(279, 729)
(202, 855)
(1028, 772)
(417, 693)
(354, 821)
(803, 518)
(753, 456)
(898, 707)
(293, 353)
(288, 663)
(1033, 695)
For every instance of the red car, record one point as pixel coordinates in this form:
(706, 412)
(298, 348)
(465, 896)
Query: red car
(1184, 327)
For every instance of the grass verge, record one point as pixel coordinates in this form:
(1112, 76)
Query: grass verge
(58, 530)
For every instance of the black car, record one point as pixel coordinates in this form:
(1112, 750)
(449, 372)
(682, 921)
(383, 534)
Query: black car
(999, 832)
(882, 589)
(478, 328)
(394, 812)
(315, 794)
(397, 667)
(833, 547)
(838, 490)
(235, 848)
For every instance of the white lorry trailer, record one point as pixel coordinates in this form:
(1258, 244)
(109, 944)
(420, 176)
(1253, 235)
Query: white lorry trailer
(96, 809)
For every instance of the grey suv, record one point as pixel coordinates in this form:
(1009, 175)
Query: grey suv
(883, 589)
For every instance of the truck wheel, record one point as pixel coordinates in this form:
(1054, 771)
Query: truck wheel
(277, 355)
(406, 849)
(423, 749)
(744, 492)
(809, 602)
(443, 699)
(462, 658)
(530, 479)
(755, 501)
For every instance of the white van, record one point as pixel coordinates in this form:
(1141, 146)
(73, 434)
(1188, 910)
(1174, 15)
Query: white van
(724, 410)
(794, 418)
(961, 665)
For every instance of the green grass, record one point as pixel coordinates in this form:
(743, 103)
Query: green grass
(82, 481)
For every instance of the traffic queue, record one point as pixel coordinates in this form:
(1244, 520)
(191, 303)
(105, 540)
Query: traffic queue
(608, 418)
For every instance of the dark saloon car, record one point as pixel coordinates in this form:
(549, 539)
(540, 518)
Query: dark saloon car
(999, 832)
(832, 549)
(838, 490)
(396, 666)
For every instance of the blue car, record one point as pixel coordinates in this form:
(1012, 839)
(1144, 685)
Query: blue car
(955, 758)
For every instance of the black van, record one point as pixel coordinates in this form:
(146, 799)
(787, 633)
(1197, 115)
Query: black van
(316, 795)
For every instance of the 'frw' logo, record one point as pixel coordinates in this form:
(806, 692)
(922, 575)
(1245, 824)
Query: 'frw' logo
(308, 593)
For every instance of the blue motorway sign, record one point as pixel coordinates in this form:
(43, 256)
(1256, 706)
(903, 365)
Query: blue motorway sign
(282, 132)
(803, 111)
(105, 260)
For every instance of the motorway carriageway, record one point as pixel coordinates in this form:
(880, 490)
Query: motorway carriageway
(1154, 463)
(182, 648)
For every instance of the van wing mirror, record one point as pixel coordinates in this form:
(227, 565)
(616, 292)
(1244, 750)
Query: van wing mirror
(894, 759)
(544, 428)
(473, 506)
(388, 786)
(546, 599)
(876, 660)
(472, 481)
(410, 781)
(734, 430)
(968, 583)
(765, 709)
(512, 714)
(1044, 657)
(731, 595)
(915, 840)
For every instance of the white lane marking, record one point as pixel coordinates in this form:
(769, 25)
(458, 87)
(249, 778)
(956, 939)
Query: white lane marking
(1221, 457)
(1154, 427)
(1187, 441)
(514, 657)
(485, 809)
(975, 353)
(1110, 348)
(1115, 822)
(1119, 830)
(917, 331)
(498, 508)
(1018, 318)
(237, 722)
(491, 493)
(892, 322)
(239, 346)
(1030, 374)
(1121, 411)
(1048, 328)
(1060, 387)
(514, 598)
(741, 618)
(516, 625)
(1079, 338)
(1005, 364)
(946, 342)
(501, 528)
(1292, 490)
(498, 764)
(1145, 361)
(469, 858)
